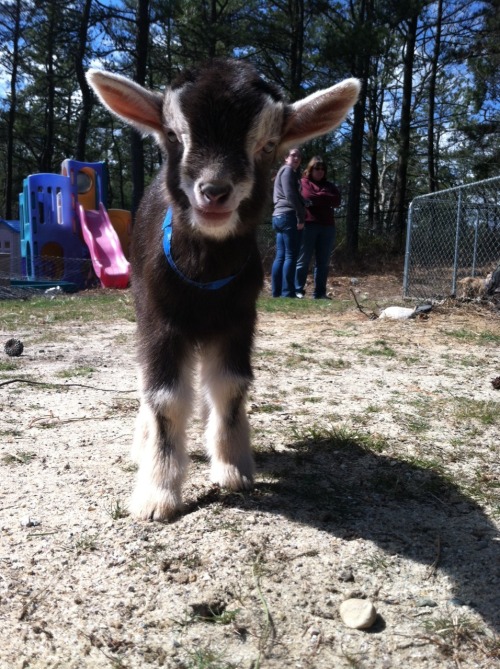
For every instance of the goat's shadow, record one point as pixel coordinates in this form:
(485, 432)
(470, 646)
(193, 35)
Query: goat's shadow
(406, 509)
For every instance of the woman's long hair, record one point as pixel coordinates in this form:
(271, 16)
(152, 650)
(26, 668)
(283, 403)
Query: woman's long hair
(314, 161)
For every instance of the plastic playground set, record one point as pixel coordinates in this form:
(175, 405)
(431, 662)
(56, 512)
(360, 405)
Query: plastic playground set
(65, 235)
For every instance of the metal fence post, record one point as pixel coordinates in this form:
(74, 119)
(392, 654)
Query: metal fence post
(406, 272)
(457, 239)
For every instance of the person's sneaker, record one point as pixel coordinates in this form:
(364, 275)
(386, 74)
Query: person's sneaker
(299, 294)
(322, 297)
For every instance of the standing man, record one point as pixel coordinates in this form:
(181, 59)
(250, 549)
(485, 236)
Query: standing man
(288, 221)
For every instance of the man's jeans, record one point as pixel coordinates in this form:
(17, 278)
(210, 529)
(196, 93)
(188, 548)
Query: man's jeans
(287, 250)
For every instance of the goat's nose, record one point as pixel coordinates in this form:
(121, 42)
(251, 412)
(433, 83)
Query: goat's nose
(216, 191)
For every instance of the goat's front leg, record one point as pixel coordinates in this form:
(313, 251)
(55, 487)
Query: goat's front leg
(225, 389)
(159, 446)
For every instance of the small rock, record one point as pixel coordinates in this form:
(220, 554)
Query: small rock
(425, 601)
(359, 614)
(354, 281)
(27, 521)
(346, 575)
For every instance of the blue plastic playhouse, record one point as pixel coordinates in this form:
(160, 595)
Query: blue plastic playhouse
(50, 234)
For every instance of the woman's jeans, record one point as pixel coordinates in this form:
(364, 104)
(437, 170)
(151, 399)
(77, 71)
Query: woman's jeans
(317, 239)
(287, 250)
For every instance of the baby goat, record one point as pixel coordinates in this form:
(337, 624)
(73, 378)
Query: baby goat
(196, 269)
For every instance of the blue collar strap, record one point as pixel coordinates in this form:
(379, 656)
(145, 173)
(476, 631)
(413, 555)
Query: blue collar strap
(167, 239)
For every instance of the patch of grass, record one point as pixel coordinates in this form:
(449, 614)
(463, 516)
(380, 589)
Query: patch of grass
(424, 463)
(86, 543)
(410, 359)
(117, 510)
(462, 334)
(86, 306)
(8, 366)
(296, 360)
(267, 408)
(454, 634)
(75, 371)
(487, 337)
(482, 338)
(267, 353)
(18, 458)
(336, 437)
(206, 658)
(376, 562)
(335, 363)
(471, 361)
(10, 433)
(416, 424)
(344, 333)
(487, 412)
(301, 348)
(379, 348)
(486, 487)
(290, 306)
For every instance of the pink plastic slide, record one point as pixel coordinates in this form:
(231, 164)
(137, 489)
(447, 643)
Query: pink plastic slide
(110, 265)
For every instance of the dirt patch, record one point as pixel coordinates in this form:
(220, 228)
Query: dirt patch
(378, 477)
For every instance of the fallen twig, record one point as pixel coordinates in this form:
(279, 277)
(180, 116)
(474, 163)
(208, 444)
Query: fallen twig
(64, 385)
(372, 315)
(433, 568)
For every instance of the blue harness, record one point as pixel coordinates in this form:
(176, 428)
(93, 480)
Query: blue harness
(167, 239)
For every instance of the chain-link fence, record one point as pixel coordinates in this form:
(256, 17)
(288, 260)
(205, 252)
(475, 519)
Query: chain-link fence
(70, 274)
(451, 235)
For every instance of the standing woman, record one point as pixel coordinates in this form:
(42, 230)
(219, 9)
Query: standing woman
(318, 236)
(288, 221)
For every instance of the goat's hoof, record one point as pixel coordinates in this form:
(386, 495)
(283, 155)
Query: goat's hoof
(156, 504)
(230, 477)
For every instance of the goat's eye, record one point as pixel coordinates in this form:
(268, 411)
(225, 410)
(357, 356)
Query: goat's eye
(172, 137)
(269, 146)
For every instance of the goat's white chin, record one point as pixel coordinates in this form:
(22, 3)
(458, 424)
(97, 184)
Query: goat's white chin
(214, 223)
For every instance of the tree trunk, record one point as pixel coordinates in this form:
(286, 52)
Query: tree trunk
(46, 157)
(360, 69)
(87, 96)
(137, 147)
(355, 175)
(431, 155)
(296, 48)
(9, 177)
(399, 199)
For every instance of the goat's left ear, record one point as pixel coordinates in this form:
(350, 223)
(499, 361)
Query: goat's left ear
(320, 112)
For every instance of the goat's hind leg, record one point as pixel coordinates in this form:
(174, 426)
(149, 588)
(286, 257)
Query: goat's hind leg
(227, 428)
(159, 450)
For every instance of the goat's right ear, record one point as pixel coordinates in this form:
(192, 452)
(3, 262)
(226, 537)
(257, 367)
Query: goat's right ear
(132, 103)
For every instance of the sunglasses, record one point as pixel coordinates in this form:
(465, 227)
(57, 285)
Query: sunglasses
(318, 167)
(294, 155)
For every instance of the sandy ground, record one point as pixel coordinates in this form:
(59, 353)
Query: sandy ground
(376, 445)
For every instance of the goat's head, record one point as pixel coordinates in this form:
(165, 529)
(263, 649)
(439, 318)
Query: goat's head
(221, 128)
